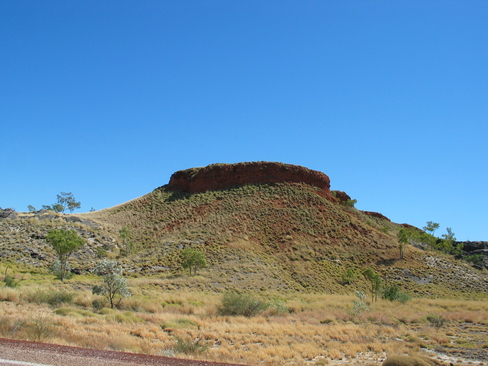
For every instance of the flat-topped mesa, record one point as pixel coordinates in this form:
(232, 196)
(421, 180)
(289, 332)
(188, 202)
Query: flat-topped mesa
(221, 176)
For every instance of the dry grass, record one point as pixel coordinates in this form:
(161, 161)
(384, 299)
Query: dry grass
(318, 328)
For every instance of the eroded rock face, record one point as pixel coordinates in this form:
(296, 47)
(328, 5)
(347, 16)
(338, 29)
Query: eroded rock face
(222, 176)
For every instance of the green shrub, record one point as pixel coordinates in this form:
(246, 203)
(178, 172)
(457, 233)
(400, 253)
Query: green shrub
(126, 318)
(10, 281)
(403, 297)
(393, 293)
(236, 304)
(475, 258)
(348, 277)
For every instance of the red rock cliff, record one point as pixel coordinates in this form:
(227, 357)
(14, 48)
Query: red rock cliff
(221, 176)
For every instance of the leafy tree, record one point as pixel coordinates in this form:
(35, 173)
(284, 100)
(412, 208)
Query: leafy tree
(31, 208)
(193, 259)
(67, 200)
(431, 227)
(114, 286)
(376, 282)
(64, 243)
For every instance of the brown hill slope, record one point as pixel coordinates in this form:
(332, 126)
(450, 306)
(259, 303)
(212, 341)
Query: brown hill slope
(262, 226)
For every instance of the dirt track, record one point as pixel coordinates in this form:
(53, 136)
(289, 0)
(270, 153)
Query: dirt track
(56, 355)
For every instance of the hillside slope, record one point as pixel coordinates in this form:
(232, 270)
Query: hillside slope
(263, 226)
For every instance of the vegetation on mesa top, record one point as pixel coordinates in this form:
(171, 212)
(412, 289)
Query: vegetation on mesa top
(65, 201)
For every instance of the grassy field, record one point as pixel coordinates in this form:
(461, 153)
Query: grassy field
(305, 329)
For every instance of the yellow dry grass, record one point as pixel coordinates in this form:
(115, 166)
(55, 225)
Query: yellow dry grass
(318, 329)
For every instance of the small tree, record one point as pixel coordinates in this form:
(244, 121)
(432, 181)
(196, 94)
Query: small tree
(64, 243)
(126, 236)
(359, 305)
(67, 200)
(114, 286)
(193, 259)
(376, 282)
(431, 227)
(448, 242)
(56, 207)
(403, 239)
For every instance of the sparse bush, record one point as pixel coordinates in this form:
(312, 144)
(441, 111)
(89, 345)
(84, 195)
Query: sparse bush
(99, 304)
(9, 327)
(179, 323)
(435, 320)
(190, 346)
(277, 306)
(237, 304)
(41, 328)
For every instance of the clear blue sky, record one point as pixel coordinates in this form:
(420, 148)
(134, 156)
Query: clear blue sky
(106, 99)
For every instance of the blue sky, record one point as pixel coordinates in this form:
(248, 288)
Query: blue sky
(106, 99)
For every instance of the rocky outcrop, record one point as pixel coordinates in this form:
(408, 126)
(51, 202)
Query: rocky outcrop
(376, 214)
(221, 176)
(471, 246)
(8, 213)
(341, 196)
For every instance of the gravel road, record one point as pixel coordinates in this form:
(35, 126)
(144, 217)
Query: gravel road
(30, 353)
